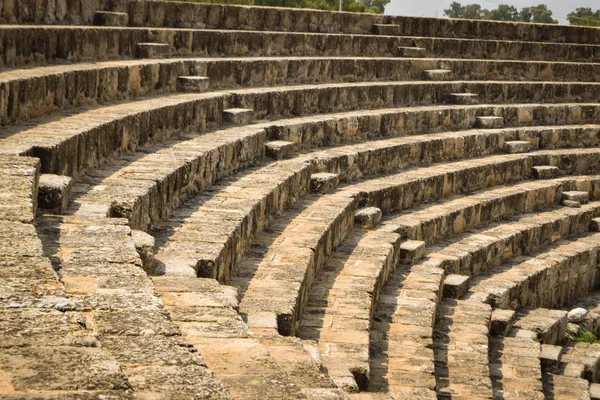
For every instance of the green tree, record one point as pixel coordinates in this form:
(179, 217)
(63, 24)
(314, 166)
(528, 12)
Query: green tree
(503, 13)
(539, 14)
(584, 16)
(470, 11)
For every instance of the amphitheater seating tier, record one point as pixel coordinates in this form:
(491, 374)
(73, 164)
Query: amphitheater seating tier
(214, 201)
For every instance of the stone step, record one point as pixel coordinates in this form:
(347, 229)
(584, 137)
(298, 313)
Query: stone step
(206, 313)
(460, 347)
(517, 146)
(549, 326)
(297, 237)
(528, 281)
(234, 72)
(464, 98)
(490, 122)
(402, 359)
(502, 321)
(238, 116)
(301, 362)
(387, 192)
(54, 193)
(483, 250)
(385, 29)
(411, 52)
(432, 223)
(279, 149)
(515, 366)
(560, 387)
(230, 16)
(193, 84)
(455, 286)
(504, 49)
(546, 172)
(368, 218)
(112, 119)
(19, 177)
(152, 50)
(438, 74)
(586, 354)
(342, 302)
(223, 221)
(324, 183)
(110, 18)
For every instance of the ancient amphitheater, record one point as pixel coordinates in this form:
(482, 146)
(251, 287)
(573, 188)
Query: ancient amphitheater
(211, 202)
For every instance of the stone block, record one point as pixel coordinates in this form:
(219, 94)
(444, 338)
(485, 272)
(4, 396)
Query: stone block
(192, 84)
(489, 122)
(517, 146)
(368, 217)
(110, 18)
(279, 149)
(502, 321)
(577, 315)
(385, 29)
(144, 244)
(238, 116)
(550, 357)
(412, 251)
(456, 285)
(571, 203)
(411, 52)
(54, 192)
(595, 225)
(324, 182)
(464, 98)
(438, 74)
(151, 50)
(581, 197)
(574, 370)
(546, 172)
(595, 391)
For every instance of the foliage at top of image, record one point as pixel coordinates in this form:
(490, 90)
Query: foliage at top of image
(539, 13)
(584, 16)
(368, 6)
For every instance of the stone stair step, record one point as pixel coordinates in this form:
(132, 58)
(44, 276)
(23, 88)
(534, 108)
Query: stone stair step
(238, 116)
(368, 218)
(549, 326)
(110, 18)
(546, 172)
(438, 74)
(411, 52)
(193, 84)
(151, 50)
(324, 182)
(342, 302)
(464, 98)
(455, 286)
(279, 149)
(489, 122)
(517, 146)
(54, 193)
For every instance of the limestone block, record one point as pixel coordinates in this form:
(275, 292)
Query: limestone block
(438, 74)
(368, 217)
(279, 149)
(502, 321)
(238, 116)
(546, 172)
(464, 98)
(192, 84)
(151, 50)
(550, 357)
(595, 225)
(324, 183)
(571, 203)
(144, 244)
(456, 285)
(54, 192)
(595, 391)
(517, 146)
(489, 122)
(109, 18)
(581, 197)
(412, 251)
(574, 370)
(411, 52)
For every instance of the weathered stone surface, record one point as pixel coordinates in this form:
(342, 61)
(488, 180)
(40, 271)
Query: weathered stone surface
(324, 183)
(192, 84)
(580, 197)
(455, 285)
(238, 116)
(110, 18)
(412, 251)
(546, 172)
(54, 192)
(144, 244)
(151, 50)
(279, 149)
(517, 146)
(368, 217)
